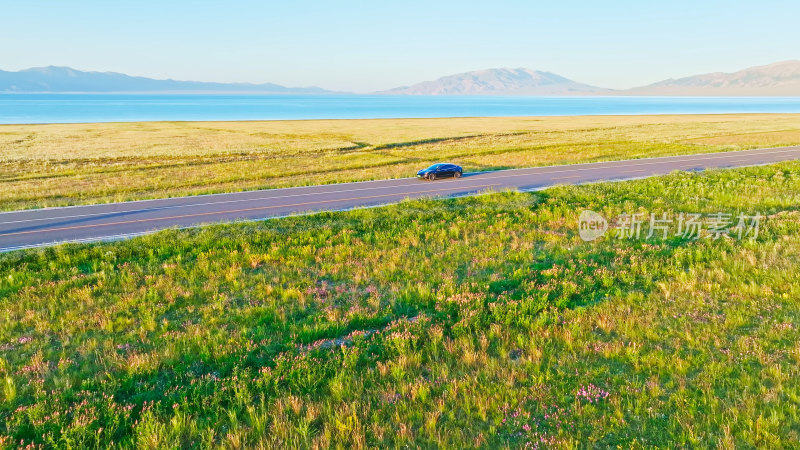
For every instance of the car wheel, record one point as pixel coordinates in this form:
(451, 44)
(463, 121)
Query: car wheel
(457, 175)
(431, 176)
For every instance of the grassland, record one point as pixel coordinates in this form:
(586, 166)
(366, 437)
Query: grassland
(56, 165)
(466, 322)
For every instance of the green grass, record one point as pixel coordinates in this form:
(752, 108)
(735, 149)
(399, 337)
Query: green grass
(67, 164)
(467, 322)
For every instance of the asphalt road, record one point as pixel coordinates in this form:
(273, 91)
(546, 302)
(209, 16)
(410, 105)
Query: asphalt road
(42, 227)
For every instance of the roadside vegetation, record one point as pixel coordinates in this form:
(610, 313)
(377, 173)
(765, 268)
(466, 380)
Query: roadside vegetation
(67, 164)
(481, 321)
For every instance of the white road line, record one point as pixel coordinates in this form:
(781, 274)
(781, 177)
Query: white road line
(115, 237)
(118, 237)
(221, 202)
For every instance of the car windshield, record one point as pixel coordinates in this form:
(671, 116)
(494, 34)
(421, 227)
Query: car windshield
(435, 166)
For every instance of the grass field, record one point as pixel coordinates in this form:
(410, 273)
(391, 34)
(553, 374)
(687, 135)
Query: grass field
(56, 165)
(480, 321)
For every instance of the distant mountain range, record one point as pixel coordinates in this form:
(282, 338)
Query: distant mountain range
(65, 79)
(779, 79)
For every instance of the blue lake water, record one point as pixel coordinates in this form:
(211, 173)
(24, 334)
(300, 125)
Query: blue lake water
(68, 108)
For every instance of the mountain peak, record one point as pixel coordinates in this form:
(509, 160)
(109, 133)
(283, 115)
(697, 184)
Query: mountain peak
(792, 65)
(52, 70)
(498, 81)
(780, 78)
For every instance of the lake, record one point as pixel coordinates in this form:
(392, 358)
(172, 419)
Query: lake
(71, 108)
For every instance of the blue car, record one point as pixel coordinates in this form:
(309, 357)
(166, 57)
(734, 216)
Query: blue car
(440, 170)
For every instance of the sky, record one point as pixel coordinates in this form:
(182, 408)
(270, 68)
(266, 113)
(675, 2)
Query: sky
(363, 46)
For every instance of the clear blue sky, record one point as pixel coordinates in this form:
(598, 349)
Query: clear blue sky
(369, 45)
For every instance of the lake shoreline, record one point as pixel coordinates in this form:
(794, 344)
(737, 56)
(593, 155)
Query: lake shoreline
(19, 109)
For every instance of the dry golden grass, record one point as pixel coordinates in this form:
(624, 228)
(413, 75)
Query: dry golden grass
(62, 164)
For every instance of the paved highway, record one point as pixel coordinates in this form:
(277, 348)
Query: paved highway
(42, 227)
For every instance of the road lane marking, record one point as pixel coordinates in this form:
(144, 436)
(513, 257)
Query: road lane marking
(124, 222)
(492, 175)
(626, 163)
(160, 208)
(221, 202)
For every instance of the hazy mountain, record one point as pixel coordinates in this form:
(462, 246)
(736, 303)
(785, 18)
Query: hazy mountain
(65, 79)
(782, 78)
(779, 79)
(499, 82)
